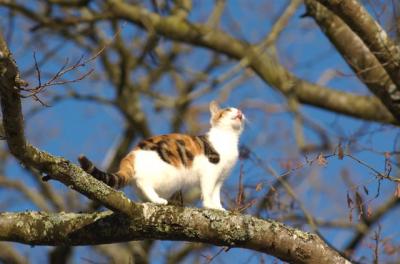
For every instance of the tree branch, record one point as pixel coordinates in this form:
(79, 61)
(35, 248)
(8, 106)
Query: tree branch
(358, 56)
(273, 73)
(9, 255)
(168, 223)
(373, 35)
(32, 195)
(371, 55)
(379, 213)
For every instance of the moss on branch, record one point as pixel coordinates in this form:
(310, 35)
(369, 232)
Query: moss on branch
(168, 223)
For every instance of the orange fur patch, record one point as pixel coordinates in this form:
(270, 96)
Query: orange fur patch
(219, 115)
(126, 169)
(175, 149)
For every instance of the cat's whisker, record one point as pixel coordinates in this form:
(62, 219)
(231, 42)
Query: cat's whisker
(247, 121)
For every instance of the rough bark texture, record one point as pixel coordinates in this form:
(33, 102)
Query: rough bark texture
(168, 223)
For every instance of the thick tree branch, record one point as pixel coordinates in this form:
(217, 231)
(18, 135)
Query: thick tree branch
(168, 223)
(373, 35)
(357, 55)
(273, 73)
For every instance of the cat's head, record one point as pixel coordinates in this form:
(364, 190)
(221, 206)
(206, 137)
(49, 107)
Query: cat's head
(228, 118)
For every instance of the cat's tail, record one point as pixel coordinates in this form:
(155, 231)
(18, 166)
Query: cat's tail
(115, 180)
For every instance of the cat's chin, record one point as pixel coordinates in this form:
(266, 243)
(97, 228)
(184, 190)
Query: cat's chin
(237, 127)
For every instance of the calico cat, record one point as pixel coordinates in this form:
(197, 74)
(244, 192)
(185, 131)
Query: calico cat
(161, 165)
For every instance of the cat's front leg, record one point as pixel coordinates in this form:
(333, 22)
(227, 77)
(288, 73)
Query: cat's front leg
(216, 196)
(210, 188)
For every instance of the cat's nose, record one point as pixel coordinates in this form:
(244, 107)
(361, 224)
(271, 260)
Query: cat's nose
(239, 115)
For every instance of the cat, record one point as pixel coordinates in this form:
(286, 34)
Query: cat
(162, 165)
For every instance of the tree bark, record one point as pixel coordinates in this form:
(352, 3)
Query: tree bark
(168, 223)
(375, 41)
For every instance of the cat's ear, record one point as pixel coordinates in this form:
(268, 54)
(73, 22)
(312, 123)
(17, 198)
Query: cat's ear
(214, 107)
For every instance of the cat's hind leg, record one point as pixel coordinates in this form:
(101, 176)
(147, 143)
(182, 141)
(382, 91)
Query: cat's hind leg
(150, 193)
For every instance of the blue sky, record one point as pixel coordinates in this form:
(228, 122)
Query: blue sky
(70, 128)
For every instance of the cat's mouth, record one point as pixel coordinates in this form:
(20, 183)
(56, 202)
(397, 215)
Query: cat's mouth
(239, 115)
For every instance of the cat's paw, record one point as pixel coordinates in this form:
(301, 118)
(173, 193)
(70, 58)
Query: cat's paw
(219, 207)
(213, 206)
(160, 201)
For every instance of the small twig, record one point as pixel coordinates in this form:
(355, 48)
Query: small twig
(37, 69)
(240, 195)
(210, 259)
(57, 78)
(377, 238)
(378, 174)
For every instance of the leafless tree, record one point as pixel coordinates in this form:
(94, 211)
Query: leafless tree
(137, 68)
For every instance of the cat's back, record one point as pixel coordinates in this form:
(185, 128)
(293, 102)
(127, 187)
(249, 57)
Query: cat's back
(178, 150)
(172, 162)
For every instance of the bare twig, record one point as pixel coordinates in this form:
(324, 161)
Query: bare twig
(57, 78)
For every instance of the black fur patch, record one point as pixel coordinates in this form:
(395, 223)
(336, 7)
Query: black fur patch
(189, 155)
(163, 151)
(183, 152)
(209, 151)
(142, 145)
